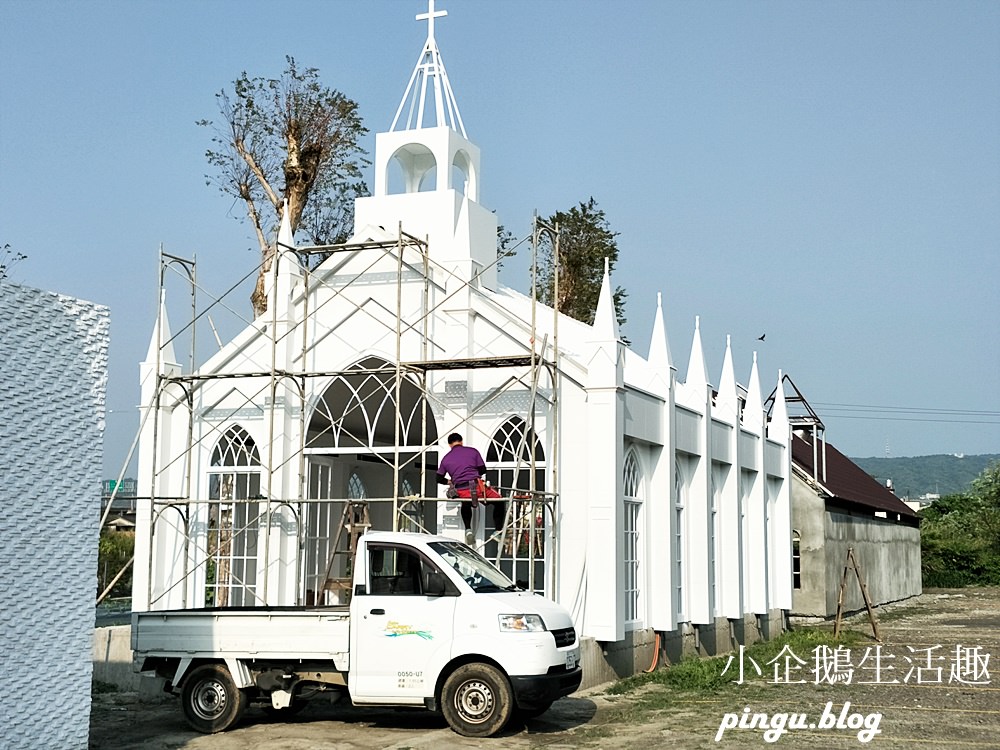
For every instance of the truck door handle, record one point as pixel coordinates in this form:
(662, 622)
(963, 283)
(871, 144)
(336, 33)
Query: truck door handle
(377, 612)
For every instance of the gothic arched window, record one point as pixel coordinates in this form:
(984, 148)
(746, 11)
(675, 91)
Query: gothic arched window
(356, 488)
(235, 448)
(233, 519)
(358, 410)
(632, 486)
(514, 442)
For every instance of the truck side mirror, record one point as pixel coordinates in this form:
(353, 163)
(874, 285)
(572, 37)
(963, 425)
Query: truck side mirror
(434, 583)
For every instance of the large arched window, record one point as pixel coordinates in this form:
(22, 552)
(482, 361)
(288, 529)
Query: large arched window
(509, 463)
(632, 485)
(233, 519)
(358, 410)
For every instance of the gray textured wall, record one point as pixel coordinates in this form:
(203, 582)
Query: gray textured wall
(809, 519)
(53, 376)
(887, 552)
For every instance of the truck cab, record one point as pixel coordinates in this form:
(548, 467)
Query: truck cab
(425, 609)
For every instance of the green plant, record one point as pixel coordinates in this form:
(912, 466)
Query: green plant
(114, 550)
(960, 535)
(709, 675)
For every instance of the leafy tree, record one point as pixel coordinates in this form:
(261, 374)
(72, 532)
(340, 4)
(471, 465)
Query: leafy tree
(585, 240)
(288, 139)
(506, 246)
(960, 535)
(114, 550)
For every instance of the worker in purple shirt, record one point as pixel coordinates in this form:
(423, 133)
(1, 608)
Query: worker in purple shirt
(462, 467)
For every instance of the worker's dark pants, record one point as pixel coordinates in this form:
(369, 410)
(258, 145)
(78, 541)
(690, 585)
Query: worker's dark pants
(499, 507)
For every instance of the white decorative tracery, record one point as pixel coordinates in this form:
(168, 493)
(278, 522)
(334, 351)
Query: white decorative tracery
(358, 411)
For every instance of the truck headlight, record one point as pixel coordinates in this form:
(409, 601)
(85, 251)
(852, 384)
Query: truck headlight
(522, 623)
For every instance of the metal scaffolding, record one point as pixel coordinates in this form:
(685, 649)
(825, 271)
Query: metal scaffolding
(239, 515)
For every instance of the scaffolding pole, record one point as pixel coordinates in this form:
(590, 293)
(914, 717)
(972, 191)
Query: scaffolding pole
(405, 509)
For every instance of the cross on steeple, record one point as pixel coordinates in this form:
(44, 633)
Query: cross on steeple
(420, 96)
(429, 16)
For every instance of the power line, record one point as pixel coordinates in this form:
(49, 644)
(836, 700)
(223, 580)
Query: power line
(914, 419)
(914, 409)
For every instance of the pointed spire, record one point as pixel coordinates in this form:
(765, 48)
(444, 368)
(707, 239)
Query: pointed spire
(285, 269)
(161, 335)
(659, 345)
(753, 411)
(286, 238)
(777, 428)
(727, 380)
(697, 372)
(429, 69)
(605, 319)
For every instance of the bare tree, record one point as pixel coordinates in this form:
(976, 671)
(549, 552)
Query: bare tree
(288, 139)
(8, 259)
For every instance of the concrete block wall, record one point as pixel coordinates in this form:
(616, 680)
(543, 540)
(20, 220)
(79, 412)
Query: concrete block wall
(606, 662)
(53, 378)
(888, 554)
(113, 657)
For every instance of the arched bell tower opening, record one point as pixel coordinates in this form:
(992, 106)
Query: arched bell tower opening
(411, 169)
(463, 174)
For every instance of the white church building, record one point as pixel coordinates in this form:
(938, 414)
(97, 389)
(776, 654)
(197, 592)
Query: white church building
(646, 503)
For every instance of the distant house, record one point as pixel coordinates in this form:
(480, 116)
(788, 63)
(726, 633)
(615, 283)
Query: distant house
(836, 506)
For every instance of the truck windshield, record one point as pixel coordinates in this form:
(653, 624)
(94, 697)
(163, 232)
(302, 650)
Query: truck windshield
(477, 571)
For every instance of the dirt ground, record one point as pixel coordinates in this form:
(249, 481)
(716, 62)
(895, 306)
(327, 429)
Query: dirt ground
(956, 631)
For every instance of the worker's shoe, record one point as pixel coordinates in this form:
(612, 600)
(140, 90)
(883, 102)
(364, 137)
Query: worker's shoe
(469, 537)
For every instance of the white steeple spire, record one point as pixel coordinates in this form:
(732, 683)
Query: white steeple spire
(161, 343)
(753, 412)
(429, 67)
(659, 345)
(605, 318)
(697, 372)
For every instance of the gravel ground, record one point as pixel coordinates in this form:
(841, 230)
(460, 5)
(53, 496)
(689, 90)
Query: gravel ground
(924, 709)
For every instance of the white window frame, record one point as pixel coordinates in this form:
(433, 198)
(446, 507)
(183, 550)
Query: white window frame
(234, 478)
(633, 490)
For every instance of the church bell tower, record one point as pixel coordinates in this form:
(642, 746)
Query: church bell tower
(427, 176)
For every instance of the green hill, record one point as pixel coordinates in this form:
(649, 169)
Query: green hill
(920, 475)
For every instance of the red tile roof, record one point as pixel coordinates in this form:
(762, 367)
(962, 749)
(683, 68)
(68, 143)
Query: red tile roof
(845, 480)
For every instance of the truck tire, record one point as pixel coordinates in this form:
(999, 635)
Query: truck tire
(477, 700)
(212, 702)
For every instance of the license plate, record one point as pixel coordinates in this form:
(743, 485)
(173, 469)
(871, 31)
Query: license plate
(570, 659)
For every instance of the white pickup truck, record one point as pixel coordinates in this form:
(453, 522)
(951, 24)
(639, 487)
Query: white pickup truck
(430, 623)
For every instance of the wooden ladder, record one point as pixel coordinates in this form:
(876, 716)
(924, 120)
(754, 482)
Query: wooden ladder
(852, 562)
(355, 521)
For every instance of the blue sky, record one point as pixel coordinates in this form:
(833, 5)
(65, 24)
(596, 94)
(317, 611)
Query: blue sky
(825, 173)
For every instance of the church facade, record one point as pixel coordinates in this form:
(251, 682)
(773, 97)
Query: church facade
(645, 503)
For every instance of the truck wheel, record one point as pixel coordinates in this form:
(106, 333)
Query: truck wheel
(211, 700)
(476, 700)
